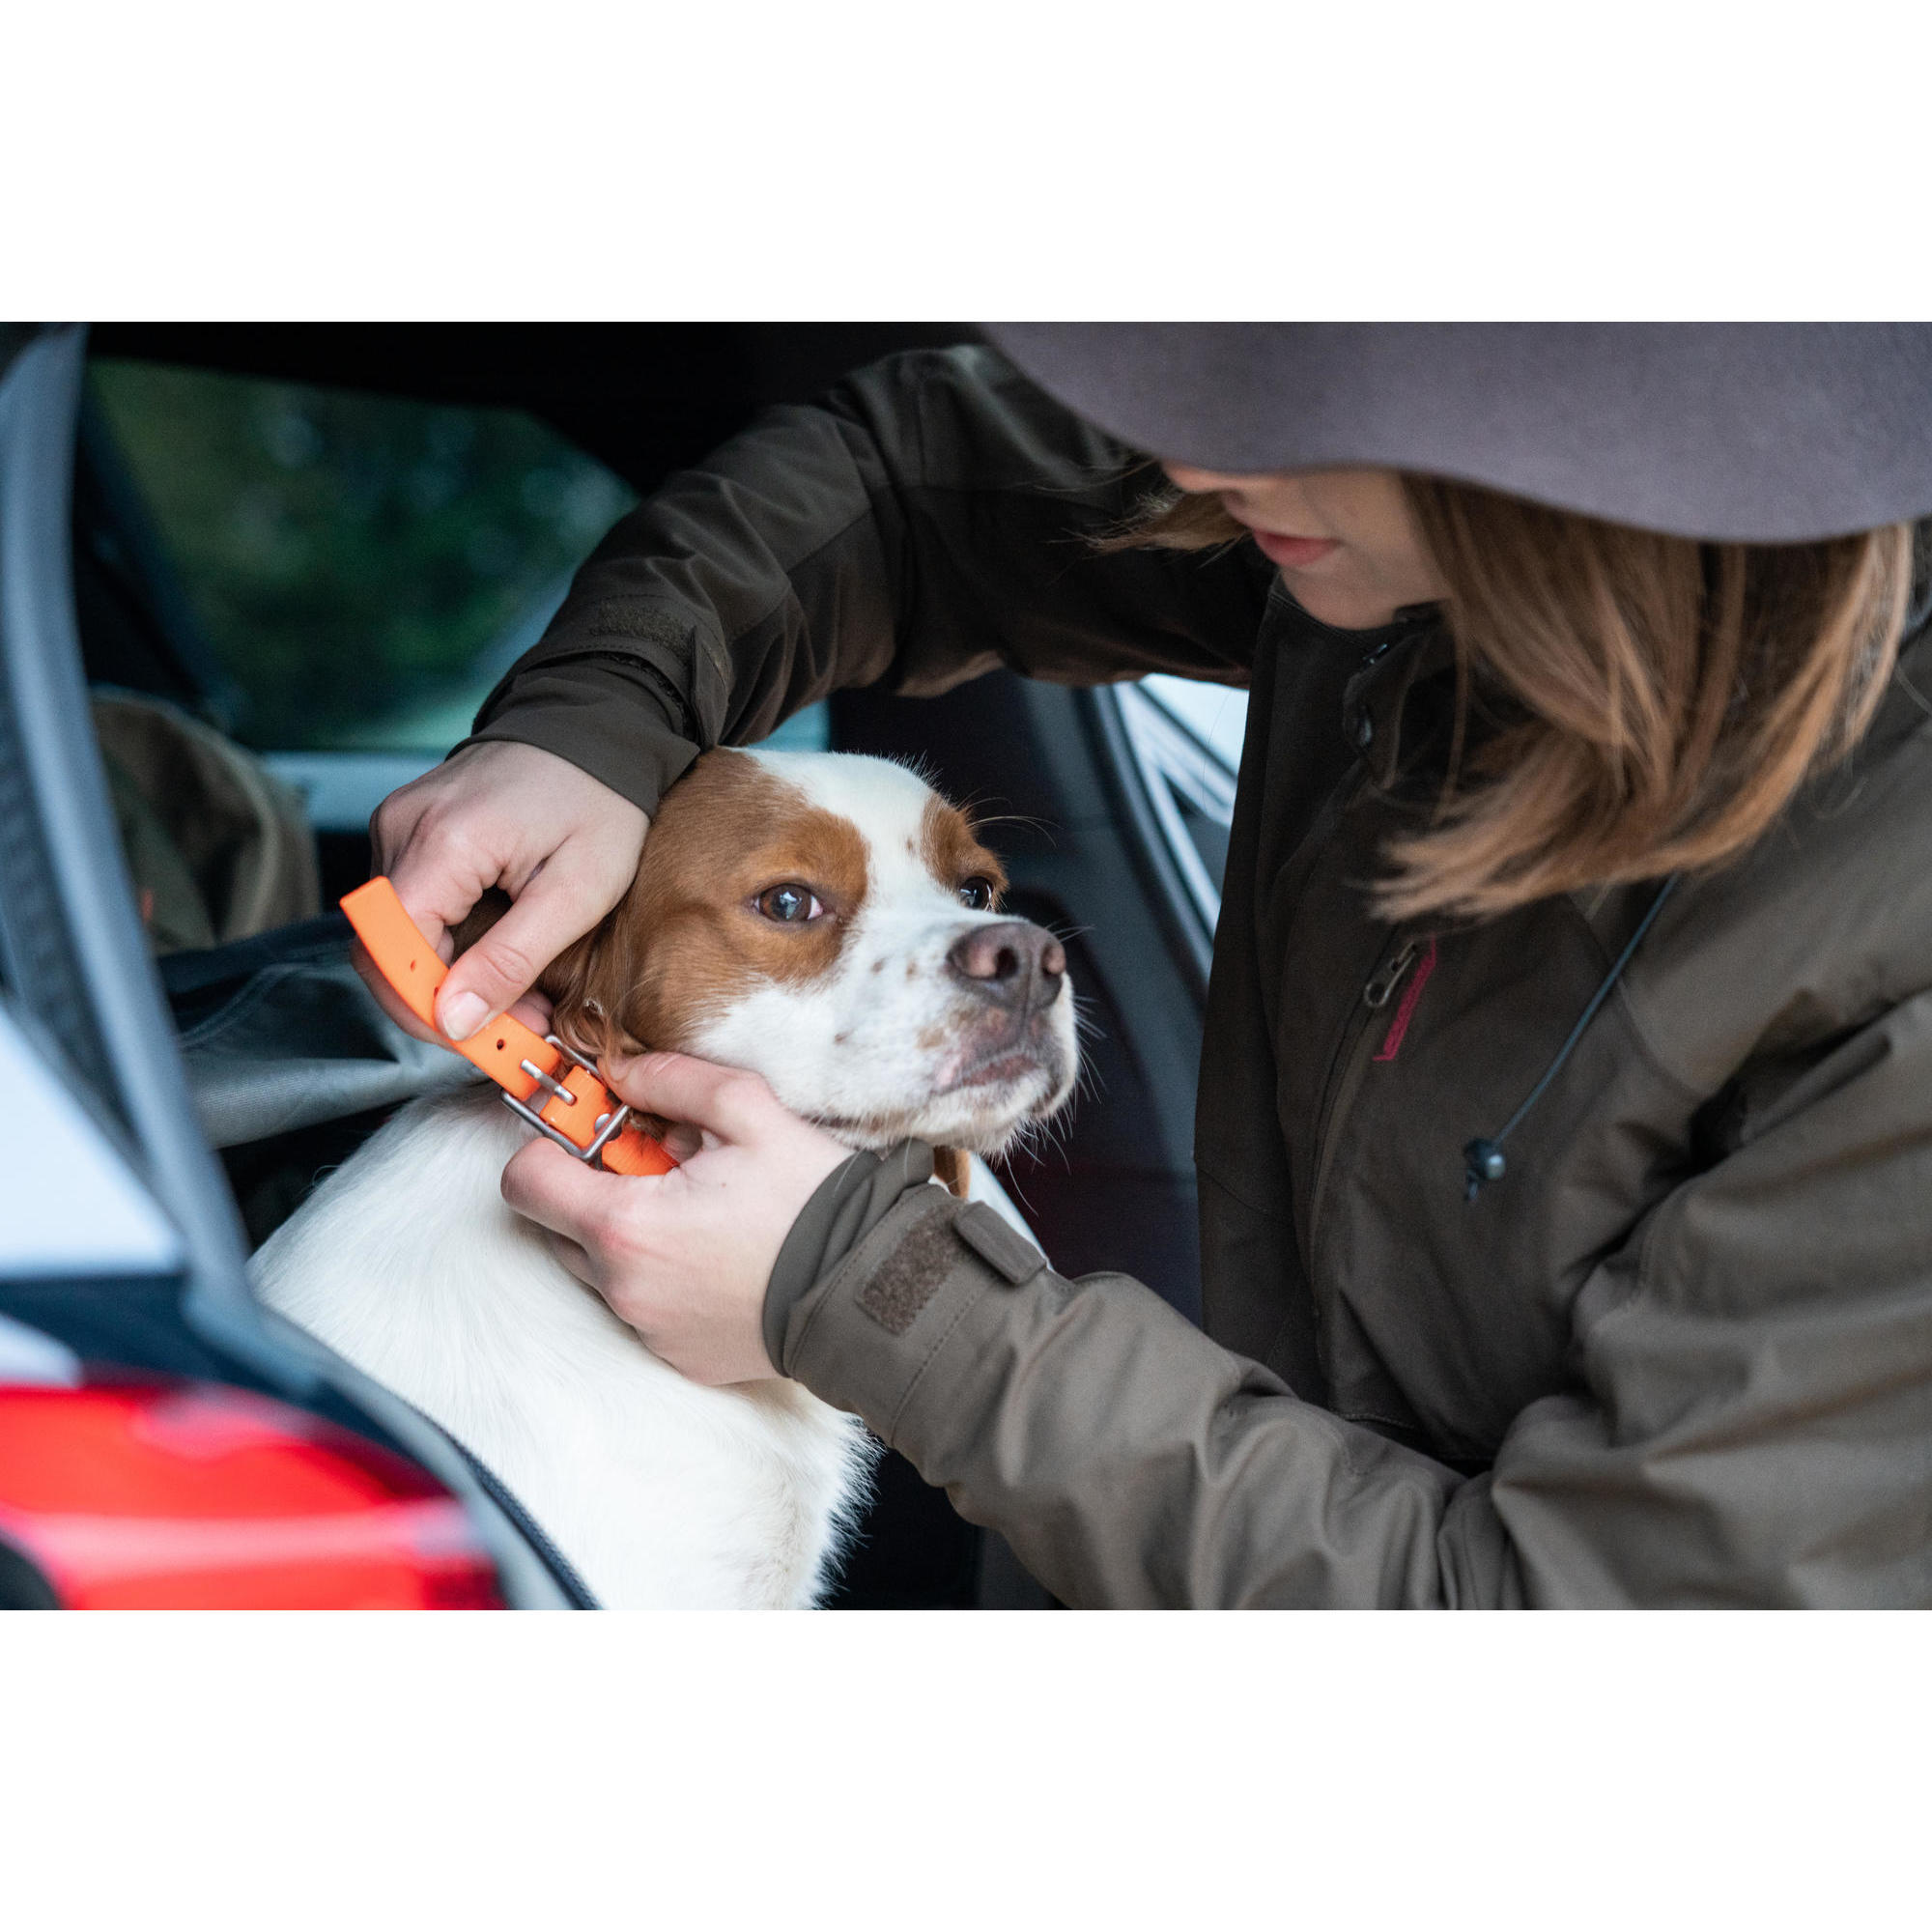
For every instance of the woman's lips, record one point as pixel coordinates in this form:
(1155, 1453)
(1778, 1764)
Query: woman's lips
(1294, 553)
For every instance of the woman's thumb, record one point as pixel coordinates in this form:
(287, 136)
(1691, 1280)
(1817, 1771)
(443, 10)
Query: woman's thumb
(724, 1100)
(503, 965)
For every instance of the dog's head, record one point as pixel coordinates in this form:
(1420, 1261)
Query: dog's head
(831, 923)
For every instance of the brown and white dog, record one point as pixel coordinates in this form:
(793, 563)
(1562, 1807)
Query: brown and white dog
(829, 923)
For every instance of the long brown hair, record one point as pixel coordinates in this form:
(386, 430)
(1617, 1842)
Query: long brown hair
(1650, 703)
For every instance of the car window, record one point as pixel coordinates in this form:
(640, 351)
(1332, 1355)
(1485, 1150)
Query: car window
(363, 568)
(1187, 740)
(1214, 714)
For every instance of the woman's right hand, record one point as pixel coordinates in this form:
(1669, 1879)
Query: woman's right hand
(562, 845)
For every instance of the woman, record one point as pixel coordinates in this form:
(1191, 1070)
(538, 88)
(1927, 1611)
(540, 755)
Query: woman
(1565, 1123)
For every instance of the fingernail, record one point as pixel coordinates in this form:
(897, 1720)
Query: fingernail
(462, 1015)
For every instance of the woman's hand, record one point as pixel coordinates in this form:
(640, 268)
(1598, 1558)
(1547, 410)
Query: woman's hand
(562, 845)
(685, 1257)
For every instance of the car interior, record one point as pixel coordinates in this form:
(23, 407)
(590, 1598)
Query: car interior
(301, 556)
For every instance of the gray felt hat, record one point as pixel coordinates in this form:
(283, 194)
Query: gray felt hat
(1766, 432)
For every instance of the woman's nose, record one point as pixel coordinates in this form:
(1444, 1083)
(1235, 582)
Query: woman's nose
(1196, 482)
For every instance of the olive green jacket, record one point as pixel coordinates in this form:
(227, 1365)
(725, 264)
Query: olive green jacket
(1679, 1353)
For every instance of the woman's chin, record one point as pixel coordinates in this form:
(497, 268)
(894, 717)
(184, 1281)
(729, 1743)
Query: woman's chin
(1337, 606)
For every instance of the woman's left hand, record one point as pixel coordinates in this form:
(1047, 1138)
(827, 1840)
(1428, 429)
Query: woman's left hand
(683, 1257)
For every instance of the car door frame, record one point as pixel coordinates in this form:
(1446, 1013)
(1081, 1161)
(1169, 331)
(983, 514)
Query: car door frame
(77, 971)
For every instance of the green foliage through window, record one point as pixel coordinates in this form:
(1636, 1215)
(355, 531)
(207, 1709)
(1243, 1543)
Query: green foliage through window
(363, 567)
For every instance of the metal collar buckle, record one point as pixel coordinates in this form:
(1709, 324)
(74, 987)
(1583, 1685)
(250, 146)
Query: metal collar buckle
(607, 1124)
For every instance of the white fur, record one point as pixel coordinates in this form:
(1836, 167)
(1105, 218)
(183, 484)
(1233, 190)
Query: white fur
(662, 1493)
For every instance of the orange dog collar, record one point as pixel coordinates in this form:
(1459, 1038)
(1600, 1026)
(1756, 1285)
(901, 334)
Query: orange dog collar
(577, 1110)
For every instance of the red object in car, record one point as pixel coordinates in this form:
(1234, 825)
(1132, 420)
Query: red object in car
(186, 1495)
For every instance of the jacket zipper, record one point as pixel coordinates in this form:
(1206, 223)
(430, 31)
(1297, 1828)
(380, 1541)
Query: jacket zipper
(1379, 989)
(1400, 954)
(1382, 983)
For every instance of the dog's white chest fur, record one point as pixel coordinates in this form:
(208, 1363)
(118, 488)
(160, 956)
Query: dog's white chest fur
(662, 1493)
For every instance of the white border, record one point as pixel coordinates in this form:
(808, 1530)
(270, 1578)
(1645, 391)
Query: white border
(399, 159)
(979, 1771)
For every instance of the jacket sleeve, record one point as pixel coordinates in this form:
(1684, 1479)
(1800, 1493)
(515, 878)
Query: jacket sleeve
(1750, 1423)
(925, 523)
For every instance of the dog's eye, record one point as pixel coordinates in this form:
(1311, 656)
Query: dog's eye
(790, 905)
(976, 895)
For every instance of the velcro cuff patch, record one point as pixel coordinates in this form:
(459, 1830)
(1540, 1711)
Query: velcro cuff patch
(911, 1275)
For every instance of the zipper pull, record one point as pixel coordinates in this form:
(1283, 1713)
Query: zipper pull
(1381, 989)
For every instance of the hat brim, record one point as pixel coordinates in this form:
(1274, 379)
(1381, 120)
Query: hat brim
(1743, 432)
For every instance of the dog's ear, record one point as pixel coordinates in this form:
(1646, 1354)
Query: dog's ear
(585, 983)
(588, 983)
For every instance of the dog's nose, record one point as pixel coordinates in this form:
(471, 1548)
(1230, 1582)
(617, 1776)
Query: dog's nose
(1013, 961)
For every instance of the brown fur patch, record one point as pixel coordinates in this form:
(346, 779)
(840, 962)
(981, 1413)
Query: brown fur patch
(687, 936)
(949, 1167)
(951, 849)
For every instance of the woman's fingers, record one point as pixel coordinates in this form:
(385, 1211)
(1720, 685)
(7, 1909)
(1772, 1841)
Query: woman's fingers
(573, 1257)
(439, 867)
(558, 906)
(558, 1192)
(562, 845)
(388, 998)
(535, 1010)
(724, 1100)
(685, 1257)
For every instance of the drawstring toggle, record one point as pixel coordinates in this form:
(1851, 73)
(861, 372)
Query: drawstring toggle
(1481, 1160)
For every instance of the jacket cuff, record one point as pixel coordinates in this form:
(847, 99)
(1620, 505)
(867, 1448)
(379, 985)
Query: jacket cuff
(603, 716)
(851, 1201)
(924, 1281)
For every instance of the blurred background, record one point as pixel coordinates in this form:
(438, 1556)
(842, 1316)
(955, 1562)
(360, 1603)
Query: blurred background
(427, 545)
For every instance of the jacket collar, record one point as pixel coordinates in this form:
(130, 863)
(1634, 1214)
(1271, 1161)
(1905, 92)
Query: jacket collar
(1401, 700)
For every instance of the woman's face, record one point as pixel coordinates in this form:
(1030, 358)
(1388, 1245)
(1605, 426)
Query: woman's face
(1344, 539)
